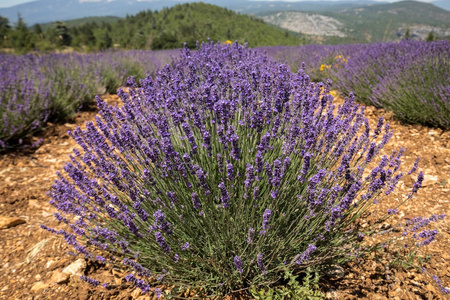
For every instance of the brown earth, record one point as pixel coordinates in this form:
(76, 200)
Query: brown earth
(33, 262)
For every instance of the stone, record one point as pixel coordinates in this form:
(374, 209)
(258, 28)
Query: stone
(431, 288)
(59, 277)
(430, 180)
(7, 222)
(76, 268)
(136, 293)
(50, 264)
(40, 285)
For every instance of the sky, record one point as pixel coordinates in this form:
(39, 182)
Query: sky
(8, 3)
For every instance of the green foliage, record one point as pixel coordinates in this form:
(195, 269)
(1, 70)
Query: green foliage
(307, 290)
(64, 37)
(105, 40)
(21, 37)
(4, 29)
(37, 29)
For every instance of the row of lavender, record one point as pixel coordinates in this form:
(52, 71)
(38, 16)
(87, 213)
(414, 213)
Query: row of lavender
(410, 78)
(35, 89)
(226, 172)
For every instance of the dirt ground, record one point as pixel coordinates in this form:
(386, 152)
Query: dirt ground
(35, 264)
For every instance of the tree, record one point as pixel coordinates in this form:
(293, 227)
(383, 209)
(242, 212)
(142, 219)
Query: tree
(64, 37)
(105, 40)
(165, 41)
(37, 29)
(4, 29)
(87, 35)
(430, 37)
(139, 40)
(22, 39)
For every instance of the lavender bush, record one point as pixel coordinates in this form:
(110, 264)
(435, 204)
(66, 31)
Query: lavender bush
(222, 172)
(38, 88)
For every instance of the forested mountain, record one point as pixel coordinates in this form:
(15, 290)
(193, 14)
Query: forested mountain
(167, 28)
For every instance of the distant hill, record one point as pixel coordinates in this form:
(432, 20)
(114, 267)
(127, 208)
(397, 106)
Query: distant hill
(44, 11)
(172, 27)
(369, 23)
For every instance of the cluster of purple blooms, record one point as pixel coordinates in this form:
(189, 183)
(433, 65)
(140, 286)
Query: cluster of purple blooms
(221, 144)
(415, 228)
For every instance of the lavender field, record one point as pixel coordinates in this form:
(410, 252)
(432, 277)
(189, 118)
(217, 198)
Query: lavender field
(35, 88)
(410, 78)
(233, 172)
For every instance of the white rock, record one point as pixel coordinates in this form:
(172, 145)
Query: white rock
(50, 263)
(76, 268)
(430, 180)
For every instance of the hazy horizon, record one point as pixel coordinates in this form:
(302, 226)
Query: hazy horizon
(10, 3)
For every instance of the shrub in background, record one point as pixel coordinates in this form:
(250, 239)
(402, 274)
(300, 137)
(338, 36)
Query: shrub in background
(38, 88)
(223, 172)
(410, 78)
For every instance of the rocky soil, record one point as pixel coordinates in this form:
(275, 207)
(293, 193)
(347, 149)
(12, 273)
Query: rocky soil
(35, 264)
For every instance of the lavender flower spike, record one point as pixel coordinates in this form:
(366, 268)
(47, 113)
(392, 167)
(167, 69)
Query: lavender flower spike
(238, 264)
(265, 222)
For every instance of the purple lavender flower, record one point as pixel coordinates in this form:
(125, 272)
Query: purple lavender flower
(260, 263)
(249, 177)
(162, 242)
(195, 201)
(251, 235)
(158, 292)
(238, 264)
(185, 246)
(230, 172)
(89, 280)
(392, 211)
(139, 283)
(305, 167)
(265, 222)
(304, 257)
(225, 198)
(161, 222)
(418, 183)
(219, 162)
